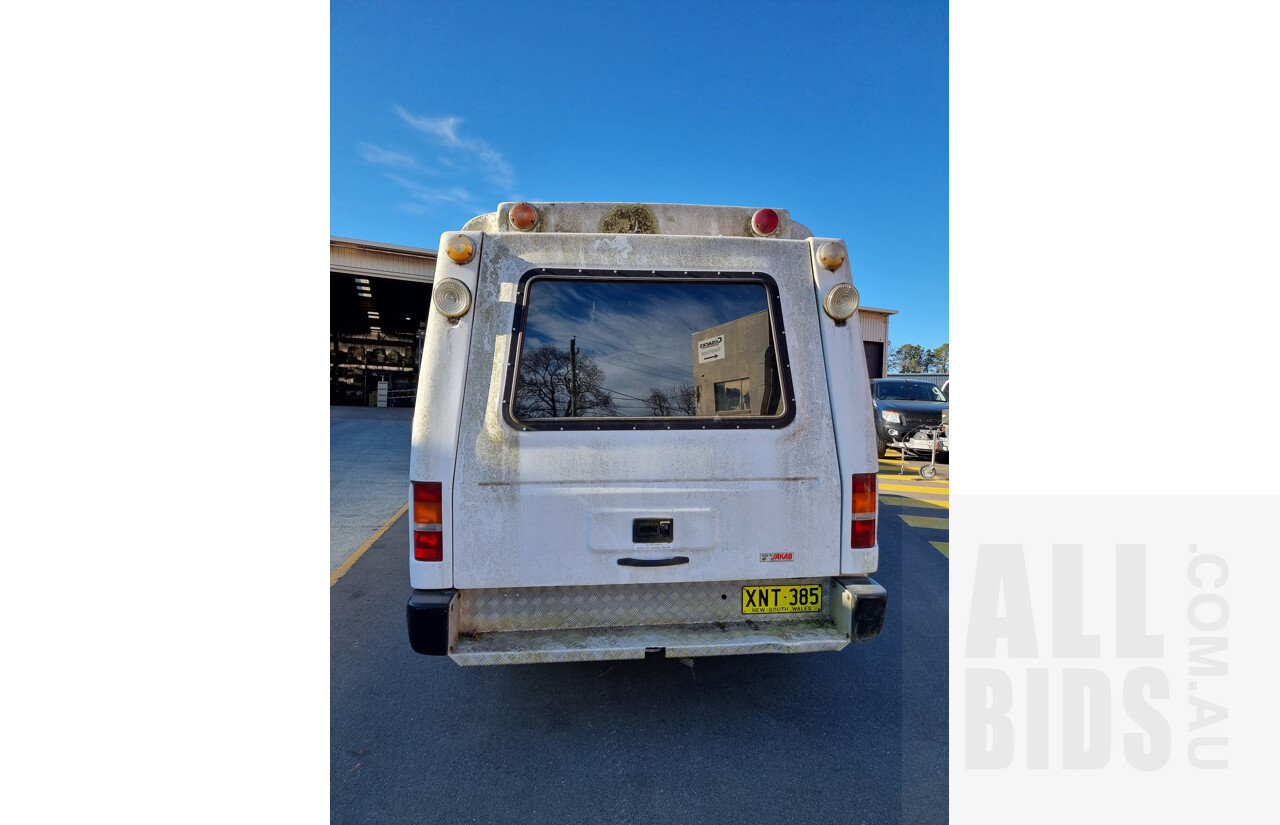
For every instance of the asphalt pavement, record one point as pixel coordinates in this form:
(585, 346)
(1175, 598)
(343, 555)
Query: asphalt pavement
(855, 736)
(368, 474)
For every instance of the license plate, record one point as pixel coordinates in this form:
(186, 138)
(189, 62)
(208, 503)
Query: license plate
(784, 598)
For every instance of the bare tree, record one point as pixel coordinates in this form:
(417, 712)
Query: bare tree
(673, 399)
(658, 401)
(543, 388)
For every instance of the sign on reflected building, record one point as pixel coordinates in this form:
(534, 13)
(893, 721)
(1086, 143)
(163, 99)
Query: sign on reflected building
(734, 368)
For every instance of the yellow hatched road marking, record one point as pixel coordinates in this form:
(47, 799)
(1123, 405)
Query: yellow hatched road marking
(942, 547)
(926, 522)
(903, 501)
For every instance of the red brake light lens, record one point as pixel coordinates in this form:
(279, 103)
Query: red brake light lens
(863, 534)
(428, 545)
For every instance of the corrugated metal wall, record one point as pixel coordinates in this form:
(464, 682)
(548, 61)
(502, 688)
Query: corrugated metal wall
(403, 265)
(936, 378)
(875, 326)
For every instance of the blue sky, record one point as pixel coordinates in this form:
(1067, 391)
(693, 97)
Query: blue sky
(837, 112)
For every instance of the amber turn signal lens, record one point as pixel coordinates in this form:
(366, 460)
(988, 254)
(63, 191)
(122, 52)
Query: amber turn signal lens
(831, 254)
(864, 493)
(460, 249)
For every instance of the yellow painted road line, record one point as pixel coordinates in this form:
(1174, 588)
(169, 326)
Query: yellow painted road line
(922, 483)
(906, 488)
(346, 565)
(912, 477)
(912, 472)
(903, 501)
(942, 547)
(926, 522)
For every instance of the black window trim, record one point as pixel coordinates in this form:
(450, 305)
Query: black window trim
(679, 422)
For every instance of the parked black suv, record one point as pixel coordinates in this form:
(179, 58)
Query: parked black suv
(902, 406)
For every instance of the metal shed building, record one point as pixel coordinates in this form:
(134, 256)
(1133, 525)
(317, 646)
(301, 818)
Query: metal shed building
(378, 301)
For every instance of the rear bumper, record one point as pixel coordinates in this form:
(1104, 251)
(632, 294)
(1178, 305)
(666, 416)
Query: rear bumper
(539, 625)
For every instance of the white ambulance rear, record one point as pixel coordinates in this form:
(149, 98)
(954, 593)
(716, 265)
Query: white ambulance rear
(641, 429)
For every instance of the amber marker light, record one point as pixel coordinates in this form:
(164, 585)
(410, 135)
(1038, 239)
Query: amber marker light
(460, 249)
(831, 254)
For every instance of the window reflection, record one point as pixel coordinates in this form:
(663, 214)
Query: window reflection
(630, 348)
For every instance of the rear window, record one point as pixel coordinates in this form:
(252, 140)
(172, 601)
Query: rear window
(661, 350)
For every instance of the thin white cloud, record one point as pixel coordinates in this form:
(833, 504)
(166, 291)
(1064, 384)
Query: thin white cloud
(376, 154)
(436, 195)
(445, 129)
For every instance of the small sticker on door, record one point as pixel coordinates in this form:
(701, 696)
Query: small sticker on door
(775, 557)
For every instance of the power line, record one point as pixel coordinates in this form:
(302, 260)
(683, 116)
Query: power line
(636, 352)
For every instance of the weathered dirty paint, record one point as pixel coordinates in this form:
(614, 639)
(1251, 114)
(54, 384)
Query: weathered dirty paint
(528, 499)
(549, 509)
(630, 218)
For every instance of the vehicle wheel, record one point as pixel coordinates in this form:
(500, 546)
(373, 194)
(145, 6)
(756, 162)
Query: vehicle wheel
(944, 458)
(928, 471)
(881, 447)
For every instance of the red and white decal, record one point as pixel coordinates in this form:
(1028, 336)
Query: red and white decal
(775, 557)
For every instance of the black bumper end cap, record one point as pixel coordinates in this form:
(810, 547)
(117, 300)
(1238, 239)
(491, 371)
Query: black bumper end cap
(868, 611)
(427, 614)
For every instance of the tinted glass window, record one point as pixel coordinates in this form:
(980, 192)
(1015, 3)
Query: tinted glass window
(667, 348)
(908, 391)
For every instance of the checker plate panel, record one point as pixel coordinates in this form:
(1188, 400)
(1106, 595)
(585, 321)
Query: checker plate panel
(622, 605)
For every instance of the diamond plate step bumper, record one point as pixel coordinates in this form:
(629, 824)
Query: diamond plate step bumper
(679, 641)
(539, 625)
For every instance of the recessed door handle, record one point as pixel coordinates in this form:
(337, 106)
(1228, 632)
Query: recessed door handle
(654, 562)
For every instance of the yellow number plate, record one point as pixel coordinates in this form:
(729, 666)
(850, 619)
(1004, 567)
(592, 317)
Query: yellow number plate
(790, 598)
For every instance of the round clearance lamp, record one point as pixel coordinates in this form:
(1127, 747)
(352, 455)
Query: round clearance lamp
(451, 298)
(841, 302)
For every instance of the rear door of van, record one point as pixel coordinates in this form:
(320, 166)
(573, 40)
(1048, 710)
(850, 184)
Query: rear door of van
(644, 409)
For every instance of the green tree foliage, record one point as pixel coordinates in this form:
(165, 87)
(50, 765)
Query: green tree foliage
(940, 358)
(915, 359)
(908, 358)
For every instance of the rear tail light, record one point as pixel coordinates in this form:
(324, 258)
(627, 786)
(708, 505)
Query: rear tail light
(862, 531)
(428, 523)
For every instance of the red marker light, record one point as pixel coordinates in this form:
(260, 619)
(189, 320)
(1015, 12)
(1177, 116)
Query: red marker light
(523, 216)
(764, 222)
